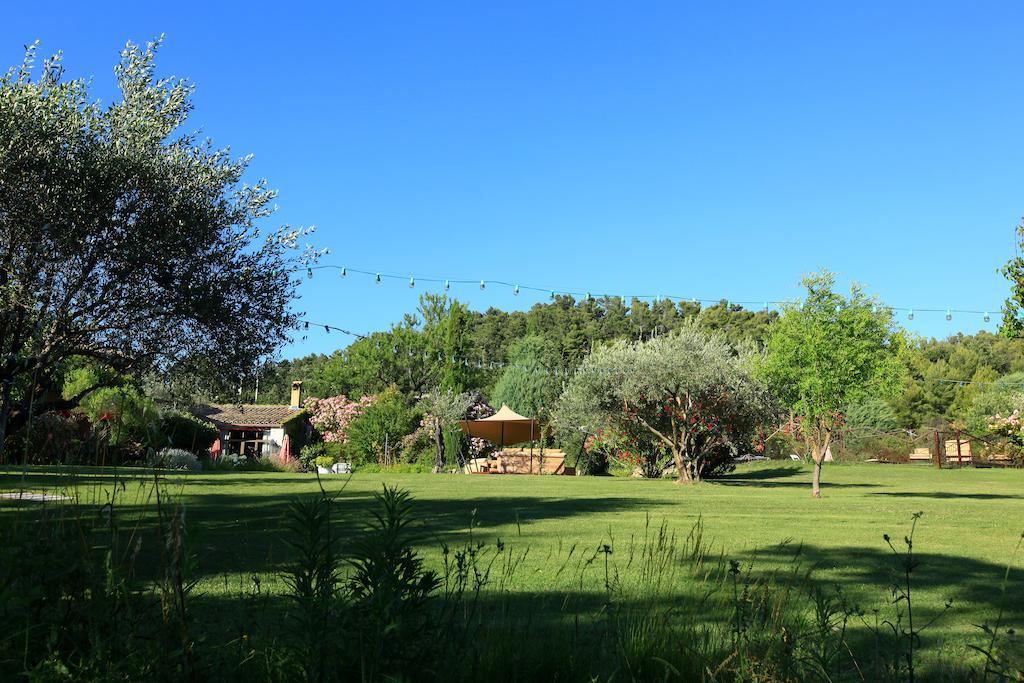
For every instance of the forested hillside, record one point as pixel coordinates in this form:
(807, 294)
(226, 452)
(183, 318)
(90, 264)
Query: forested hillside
(962, 379)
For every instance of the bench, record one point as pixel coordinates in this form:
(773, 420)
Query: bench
(920, 455)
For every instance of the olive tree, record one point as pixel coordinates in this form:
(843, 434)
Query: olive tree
(827, 353)
(687, 393)
(126, 242)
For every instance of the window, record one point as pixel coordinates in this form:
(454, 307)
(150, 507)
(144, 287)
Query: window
(252, 443)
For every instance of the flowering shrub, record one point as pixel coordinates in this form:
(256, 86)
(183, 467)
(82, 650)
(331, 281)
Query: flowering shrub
(332, 417)
(1011, 426)
(477, 411)
(174, 459)
(628, 451)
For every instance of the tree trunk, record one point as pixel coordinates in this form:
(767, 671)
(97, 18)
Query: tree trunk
(439, 443)
(818, 451)
(682, 473)
(5, 407)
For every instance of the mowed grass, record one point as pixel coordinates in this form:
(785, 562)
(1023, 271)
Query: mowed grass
(762, 515)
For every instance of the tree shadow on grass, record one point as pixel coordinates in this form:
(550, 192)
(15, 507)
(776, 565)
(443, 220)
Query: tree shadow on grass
(576, 616)
(246, 533)
(866, 573)
(947, 495)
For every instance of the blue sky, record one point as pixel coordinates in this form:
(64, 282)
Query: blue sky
(712, 150)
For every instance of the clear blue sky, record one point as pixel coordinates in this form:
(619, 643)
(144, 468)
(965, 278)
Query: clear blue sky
(709, 150)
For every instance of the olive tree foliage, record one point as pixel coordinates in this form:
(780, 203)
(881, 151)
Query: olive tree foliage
(442, 410)
(827, 353)
(687, 393)
(125, 241)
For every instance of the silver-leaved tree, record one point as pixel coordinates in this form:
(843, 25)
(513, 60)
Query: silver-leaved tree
(125, 242)
(686, 394)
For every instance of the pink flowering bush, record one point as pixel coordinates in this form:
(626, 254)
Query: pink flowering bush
(331, 417)
(1011, 426)
(477, 411)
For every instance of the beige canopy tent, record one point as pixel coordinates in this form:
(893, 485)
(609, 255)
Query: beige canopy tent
(504, 428)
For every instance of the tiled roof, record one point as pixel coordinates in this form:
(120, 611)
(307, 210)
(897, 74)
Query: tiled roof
(225, 415)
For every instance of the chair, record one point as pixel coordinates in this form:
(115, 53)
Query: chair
(961, 455)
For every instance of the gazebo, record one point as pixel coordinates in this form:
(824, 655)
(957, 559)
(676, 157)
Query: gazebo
(505, 428)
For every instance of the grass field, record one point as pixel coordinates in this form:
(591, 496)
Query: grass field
(760, 515)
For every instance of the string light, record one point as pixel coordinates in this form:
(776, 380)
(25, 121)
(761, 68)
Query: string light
(519, 288)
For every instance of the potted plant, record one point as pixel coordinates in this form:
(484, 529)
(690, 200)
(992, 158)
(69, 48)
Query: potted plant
(324, 464)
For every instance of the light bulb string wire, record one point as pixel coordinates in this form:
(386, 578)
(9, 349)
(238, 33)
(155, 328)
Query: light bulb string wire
(447, 282)
(565, 371)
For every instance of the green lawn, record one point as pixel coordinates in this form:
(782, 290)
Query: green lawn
(971, 525)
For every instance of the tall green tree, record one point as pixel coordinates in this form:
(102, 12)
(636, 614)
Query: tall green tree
(1013, 307)
(124, 240)
(827, 353)
(528, 384)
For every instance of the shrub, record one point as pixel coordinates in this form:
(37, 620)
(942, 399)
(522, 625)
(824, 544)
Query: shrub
(50, 438)
(310, 453)
(377, 434)
(124, 416)
(174, 459)
(187, 432)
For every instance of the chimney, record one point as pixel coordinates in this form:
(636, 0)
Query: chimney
(296, 394)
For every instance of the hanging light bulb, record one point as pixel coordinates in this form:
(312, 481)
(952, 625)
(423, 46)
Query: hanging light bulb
(987, 317)
(412, 282)
(327, 329)
(552, 294)
(516, 290)
(305, 325)
(483, 285)
(309, 273)
(588, 296)
(949, 314)
(447, 285)
(344, 271)
(378, 278)
(910, 315)
(765, 305)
